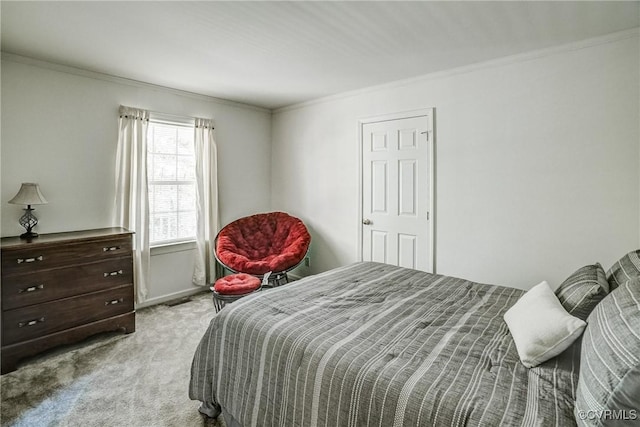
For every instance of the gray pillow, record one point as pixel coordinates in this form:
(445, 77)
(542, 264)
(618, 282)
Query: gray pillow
(626, 268)
(608, 392)
(583, 290)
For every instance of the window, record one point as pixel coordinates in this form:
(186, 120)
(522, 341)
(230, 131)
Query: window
(171, 179)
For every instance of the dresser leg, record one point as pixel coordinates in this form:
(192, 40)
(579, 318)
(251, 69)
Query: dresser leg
(130, 325)
(9, 363)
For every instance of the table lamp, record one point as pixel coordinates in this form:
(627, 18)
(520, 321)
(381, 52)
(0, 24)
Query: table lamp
(29, 194)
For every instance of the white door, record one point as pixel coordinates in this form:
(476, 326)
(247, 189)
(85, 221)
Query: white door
(397, 187)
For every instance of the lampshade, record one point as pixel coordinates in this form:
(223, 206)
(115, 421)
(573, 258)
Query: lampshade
(29, 194)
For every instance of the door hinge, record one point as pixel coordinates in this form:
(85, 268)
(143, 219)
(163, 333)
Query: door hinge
(427, 216)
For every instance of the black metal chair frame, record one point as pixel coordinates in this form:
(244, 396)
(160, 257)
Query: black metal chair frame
(220, 300)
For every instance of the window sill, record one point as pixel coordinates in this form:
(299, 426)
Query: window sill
(169, 248)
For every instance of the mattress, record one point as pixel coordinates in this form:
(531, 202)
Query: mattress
(377, 345)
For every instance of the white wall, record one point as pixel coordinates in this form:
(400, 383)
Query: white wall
(60, 129)
(538, 163)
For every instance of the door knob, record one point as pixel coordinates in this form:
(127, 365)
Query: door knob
(367, 222)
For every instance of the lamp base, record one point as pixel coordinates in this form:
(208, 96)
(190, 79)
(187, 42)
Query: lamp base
(28, 235)
(28, 221)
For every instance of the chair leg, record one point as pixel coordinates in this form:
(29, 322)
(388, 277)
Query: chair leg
(278, 280)
(217, 304)
(284, 278)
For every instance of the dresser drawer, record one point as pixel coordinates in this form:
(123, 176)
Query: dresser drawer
(35, 257)
(41, 286)
(38, 320)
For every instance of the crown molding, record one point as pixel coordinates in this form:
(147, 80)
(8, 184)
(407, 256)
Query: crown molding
(504, 61)
(493, 63)
(12, 57)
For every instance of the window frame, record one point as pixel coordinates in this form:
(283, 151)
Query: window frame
(174, 121)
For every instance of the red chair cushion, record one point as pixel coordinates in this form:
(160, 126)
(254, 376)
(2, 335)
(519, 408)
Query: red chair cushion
(261, 243)
(236, 284)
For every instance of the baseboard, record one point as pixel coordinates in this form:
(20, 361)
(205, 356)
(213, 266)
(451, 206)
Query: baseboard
(171, 297)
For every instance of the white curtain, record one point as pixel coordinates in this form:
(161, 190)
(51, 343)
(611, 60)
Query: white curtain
(206, 202)
(132, 200)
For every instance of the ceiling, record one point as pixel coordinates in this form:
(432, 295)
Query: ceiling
(273, 54)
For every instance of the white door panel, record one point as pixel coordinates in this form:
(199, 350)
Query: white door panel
(407, 256)
(396, 190)
(379, 246)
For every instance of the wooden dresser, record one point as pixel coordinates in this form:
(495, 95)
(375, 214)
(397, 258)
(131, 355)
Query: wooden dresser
(63, 287)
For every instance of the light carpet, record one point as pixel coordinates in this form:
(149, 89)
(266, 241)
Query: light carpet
(140, 379)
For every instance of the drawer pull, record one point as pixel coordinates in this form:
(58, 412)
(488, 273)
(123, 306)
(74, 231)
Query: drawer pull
(113, 273)
(38, 258)
(114, 301)
(30, 322)
(31, 289)
(110, 248)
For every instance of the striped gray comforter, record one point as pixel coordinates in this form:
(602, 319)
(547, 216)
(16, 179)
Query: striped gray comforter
(376, 345)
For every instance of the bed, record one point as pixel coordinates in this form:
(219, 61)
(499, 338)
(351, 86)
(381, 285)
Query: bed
(377, 345)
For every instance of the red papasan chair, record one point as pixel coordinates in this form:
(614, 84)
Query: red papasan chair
(273, 242)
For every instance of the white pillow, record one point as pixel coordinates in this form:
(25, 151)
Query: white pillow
(540, 326)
